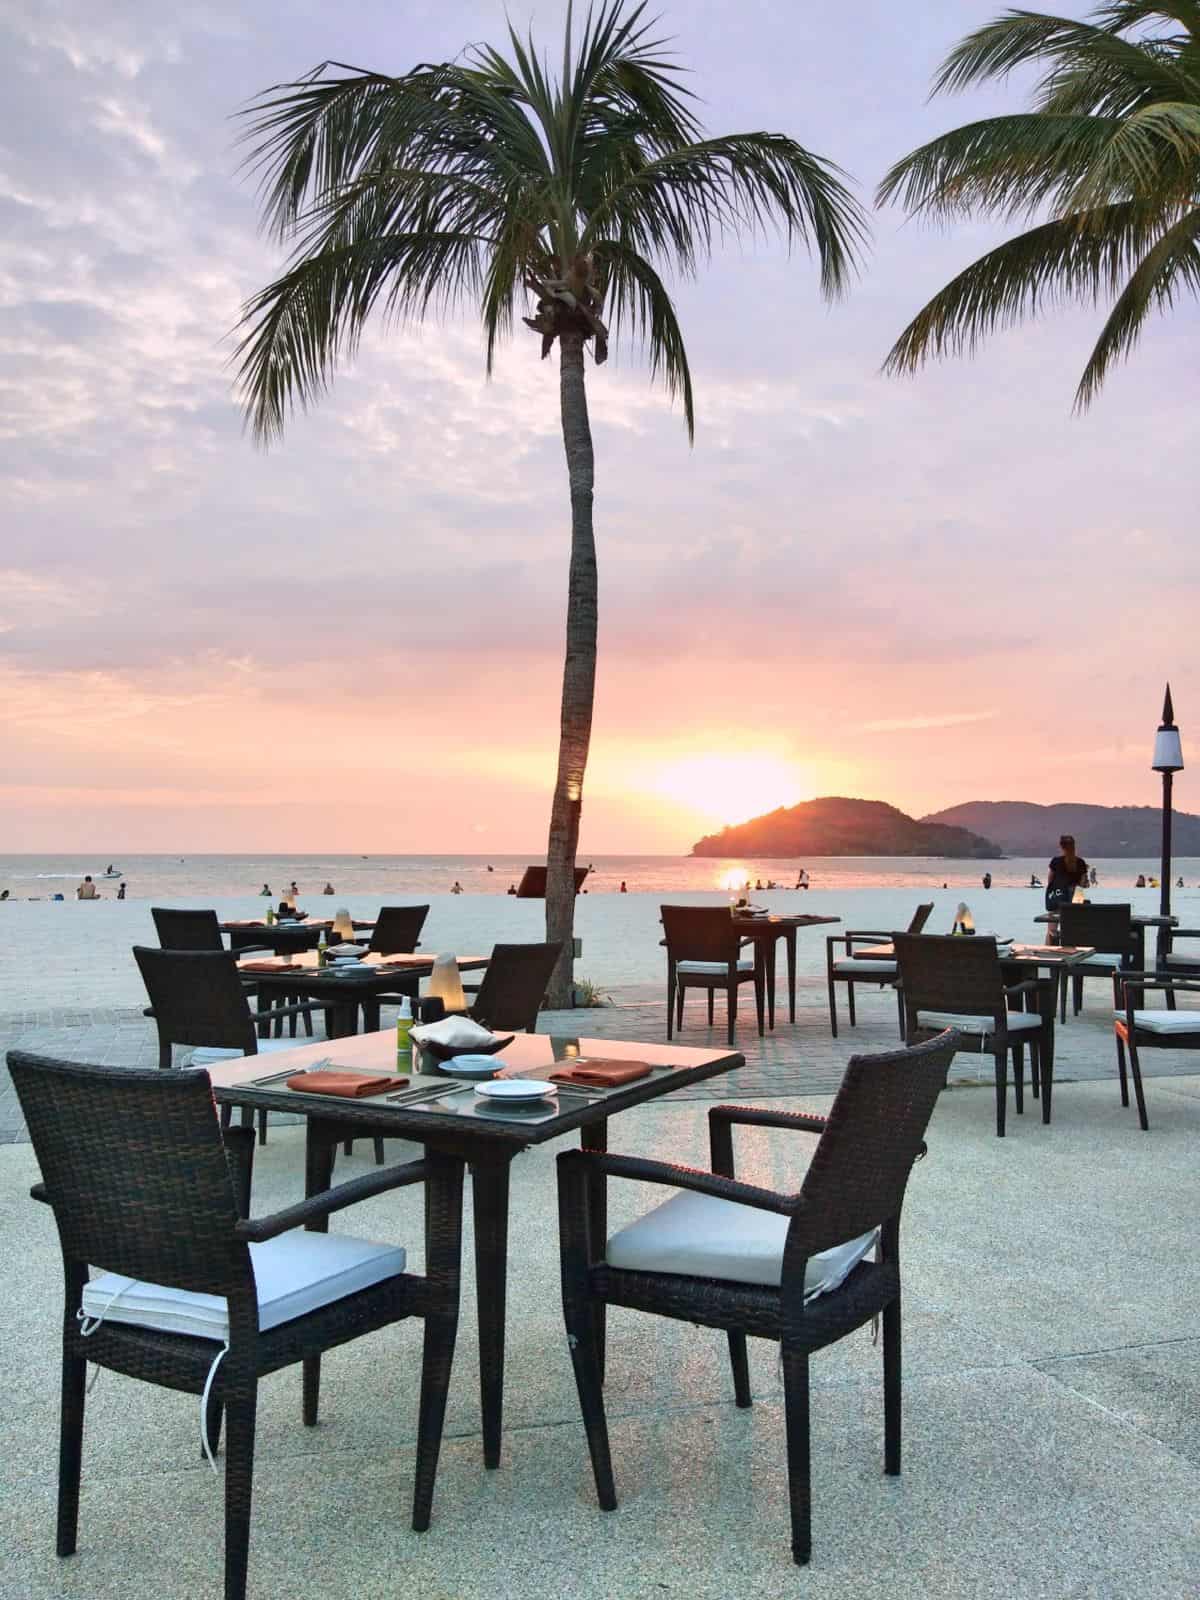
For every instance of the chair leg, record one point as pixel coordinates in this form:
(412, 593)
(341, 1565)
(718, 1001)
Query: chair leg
(712, 994)
(1001, 1090)
(239, 1488)
(1077, 992)
(1018, 1056)
(760, 1002)
(1136, 1068)
(1121, 1071)
(670, 1000)
(731, 999)
(679, 1005)
(585, 1360)
(70, 1451)
(850, 1005)
(312, 1390)
(832, 1008)
(306, 1019)
(1062, 996)
(213, 1412)
(1170, 1000)
(226, 1115)
(891, 1388)
(378, 1143)
(1035, 1068)
(262, 1127)
(741, 1369)
(795, 1409)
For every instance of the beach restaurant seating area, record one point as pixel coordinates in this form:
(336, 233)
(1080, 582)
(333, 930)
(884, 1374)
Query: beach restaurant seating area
(186, 1265)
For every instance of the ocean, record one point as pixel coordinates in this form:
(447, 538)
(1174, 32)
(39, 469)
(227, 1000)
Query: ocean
(206, 878)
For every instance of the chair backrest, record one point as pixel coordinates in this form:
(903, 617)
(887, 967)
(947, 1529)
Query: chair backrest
(920, 917)
(700, 933)
(398, 930)
(514, 986)
(197, 998)
(875, 1131)
(287, 941)
(135, 1170)
(946, 972)
(186, 930)
(1108, 929)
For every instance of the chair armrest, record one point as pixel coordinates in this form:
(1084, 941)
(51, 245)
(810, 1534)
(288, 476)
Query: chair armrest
(255, 1230)
(720, 1129)
(1155, 980)
(1183, 933)
(1026, 986)
(644, 1171)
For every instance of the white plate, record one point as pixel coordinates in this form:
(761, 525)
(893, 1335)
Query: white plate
(514, 1089)
(466, 1066)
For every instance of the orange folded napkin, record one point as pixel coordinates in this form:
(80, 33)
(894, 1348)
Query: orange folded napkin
(271, 966)
(601, 1074)
(349, 1085)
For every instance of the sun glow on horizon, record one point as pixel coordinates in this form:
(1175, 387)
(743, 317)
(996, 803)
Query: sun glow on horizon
(727, 787)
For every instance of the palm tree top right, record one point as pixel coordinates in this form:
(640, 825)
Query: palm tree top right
(1104, 167)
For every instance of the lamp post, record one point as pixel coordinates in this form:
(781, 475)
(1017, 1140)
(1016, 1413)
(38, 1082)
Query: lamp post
(1168, 759)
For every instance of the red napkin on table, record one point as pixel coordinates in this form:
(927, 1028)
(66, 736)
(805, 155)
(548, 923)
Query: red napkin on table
(601, 1074)
(271, 966)
(349, 1085)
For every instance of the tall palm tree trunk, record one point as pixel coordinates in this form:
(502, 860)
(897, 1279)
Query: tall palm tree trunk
(579, 668)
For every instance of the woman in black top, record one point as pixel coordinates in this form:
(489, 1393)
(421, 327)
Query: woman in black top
(1068, 872)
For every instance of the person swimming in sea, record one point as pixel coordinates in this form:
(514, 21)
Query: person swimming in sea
(458, 888)
(265, 892)
(328, 889)
(121, 890)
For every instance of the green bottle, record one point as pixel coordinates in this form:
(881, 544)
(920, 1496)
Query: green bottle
(404, 1044)
(322, 950)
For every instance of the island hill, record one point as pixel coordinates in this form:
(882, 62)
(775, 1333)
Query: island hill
(1022, 829)
(840, 827)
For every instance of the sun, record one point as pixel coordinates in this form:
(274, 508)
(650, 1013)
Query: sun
(729, 786)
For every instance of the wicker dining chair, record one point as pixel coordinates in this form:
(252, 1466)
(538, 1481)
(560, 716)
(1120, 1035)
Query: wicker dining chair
(1110, 930)
(861, 966)
(146, 1187)
(957, 982)
(397, 933)
(704, 952)
(510, 994)
(1183, 962)
(197, 999)
(1139, 1028)
(793, 1268)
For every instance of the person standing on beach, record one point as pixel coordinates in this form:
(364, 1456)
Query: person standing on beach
(623, 889)
(987, 880)
(1068, 872)
(121, 890)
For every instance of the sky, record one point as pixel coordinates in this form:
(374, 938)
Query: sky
(926, 590)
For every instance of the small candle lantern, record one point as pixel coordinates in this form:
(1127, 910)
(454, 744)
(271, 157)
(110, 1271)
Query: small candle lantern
(445, 983)
(343, 927)
(964, 922)
(1078, 898)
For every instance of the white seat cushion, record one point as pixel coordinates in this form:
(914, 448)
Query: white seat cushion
(1017, 1021)
(1164, 1021)
(1109, 962)
(857, 964)
(711, 969)
(208, 1055)
(294, 1274)
(702, 1236)
(1177, 958)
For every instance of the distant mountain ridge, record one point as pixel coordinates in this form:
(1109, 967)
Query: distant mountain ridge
(1021, 828)
(838, 826)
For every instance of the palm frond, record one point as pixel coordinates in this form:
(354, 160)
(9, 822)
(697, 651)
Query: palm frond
(1172, 264)
(1019, 38)
(1071, 258)
(637, 299)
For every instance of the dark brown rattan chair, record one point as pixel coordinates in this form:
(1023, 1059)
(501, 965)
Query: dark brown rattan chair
(854, 1186)
(1137, 1028)
(143, 1184)
(958, 982)
(860, 966)
(1110, 931)
(398, 930)
(512, 990)
(187, 930)
(704, 952)
(197, 999)
(1182, 963)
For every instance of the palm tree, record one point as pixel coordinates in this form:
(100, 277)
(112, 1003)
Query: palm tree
(487, 183)
(1110, 150)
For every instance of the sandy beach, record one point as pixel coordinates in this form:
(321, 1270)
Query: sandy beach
(77, 954)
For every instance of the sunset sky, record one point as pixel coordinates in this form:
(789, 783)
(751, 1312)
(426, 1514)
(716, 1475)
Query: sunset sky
(924, 591)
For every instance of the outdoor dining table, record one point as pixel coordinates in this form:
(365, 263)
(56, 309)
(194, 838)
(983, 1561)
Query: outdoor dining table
(343, 993)
(765, 934)
(443, 1115)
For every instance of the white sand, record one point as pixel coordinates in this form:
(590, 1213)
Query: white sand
(77, 954)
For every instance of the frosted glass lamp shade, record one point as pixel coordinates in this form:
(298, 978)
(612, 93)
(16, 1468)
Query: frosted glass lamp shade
(342, 925)
(445, 983)
(1078, 898)
(1168, 751)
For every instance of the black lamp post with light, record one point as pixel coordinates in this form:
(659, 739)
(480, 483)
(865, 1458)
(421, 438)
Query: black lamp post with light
(1168, 759)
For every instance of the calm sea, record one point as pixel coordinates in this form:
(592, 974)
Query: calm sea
(212, 877)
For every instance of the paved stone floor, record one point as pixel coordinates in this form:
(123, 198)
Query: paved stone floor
(800, 1058)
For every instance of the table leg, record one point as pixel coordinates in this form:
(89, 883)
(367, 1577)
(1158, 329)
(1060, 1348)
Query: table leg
(595, 1137)
(319, 1150)
(489, 1195)
(771, 945)
(789, 940)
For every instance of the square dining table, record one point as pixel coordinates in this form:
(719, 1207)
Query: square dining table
(446, 1116)
(765, 932)
(342, 992)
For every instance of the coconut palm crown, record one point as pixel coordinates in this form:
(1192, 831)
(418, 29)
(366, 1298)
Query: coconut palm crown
(490, 185)
(1105, 165)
